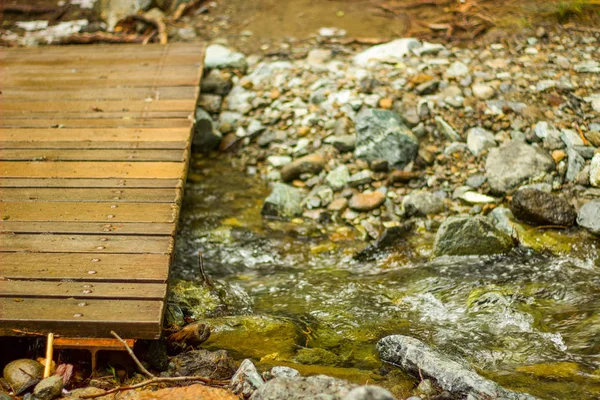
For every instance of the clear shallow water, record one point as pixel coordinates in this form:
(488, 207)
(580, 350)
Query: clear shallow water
(529, 321)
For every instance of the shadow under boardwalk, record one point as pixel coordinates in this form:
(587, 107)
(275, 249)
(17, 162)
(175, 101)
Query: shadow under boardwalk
(94, 148)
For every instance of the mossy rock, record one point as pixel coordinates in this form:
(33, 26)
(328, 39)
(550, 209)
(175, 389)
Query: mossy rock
(317, 356)
(545, 240)
(557, 370)
(254, 336)
(193, 298)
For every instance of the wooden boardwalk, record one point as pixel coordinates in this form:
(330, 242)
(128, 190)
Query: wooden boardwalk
(94, 147)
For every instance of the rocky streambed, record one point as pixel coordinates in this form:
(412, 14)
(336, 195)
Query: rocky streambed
(447, 195)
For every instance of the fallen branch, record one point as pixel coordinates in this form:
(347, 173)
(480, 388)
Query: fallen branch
(100, 37)
(206, 381)
(135, 359)
(157, 23)
(26, 9)
(184, 8)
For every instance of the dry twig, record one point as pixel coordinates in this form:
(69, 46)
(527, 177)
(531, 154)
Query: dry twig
(49, 353)
(157, 23)
(135, 359)
(184, 8)
(206, 381)
(100, 37)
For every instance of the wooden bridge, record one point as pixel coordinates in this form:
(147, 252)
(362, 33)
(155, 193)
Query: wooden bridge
(94, 148)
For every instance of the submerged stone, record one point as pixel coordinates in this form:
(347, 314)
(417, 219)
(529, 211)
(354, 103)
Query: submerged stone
(463, 235)
(416, 357)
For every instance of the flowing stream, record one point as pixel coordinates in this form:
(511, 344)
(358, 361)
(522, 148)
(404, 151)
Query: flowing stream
(293, 295)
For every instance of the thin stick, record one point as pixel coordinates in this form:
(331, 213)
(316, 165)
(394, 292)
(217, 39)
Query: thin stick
(135, 359)
(202, 379)
(203, 274)
(548, 227)
(49, 354)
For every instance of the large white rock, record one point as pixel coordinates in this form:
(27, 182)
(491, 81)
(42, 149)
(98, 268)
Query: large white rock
(219, 56)
(391, 52)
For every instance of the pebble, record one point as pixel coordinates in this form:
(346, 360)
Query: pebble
(482, 91)
(366, 201)
(312, 164)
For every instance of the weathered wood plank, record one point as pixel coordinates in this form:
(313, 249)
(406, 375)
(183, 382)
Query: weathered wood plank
(84, 228)
(83, 290)
(77, 318)
(53, 121)
(170, 195)
(78, 154)
(92, 169)
(133, 93)
(149, 138)
(147, 183)
(85, 243)
(88, 212)
(87, 267)
(106, 115)
(10, 108)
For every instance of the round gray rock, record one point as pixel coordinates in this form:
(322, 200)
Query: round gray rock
(313, 387)
(48, 389)
(513, 163)
(369, 393)
(588, 216)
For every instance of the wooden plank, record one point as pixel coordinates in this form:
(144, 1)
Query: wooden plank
(95, 195)
(92, 169)
(52, 243)
(134, 93)
(153, 138)
(77, 318)
(61, 154)
(87, 267)
(107, 115)
(88, 211)
(83, 290)
(147, 183)
(110, 50)
(83, 228)
(52, 121)
(74, 82)
(148, 72)
(10, 108)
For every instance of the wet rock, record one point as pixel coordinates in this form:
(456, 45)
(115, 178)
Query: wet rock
(338, 178)
(513, 163)
(317, 356)
(206, 138)
(588, 216)
(214, 365)
(391, 52)
(366, 201)
(416, 357)
(595, 171)
(369, 393)
(463, 235)
(48, 389)
(22, 374)
(312, 164)
(313, 387)
(219, 56)
(381, 134)
(447, 130)
(215, 83)
(479, 139)
(284, 201)
(575, 164)
(246, 379)
(482, 91)
(541, 208)
(503, 218)
(422, 204)
(391, 237)
(284, 372)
